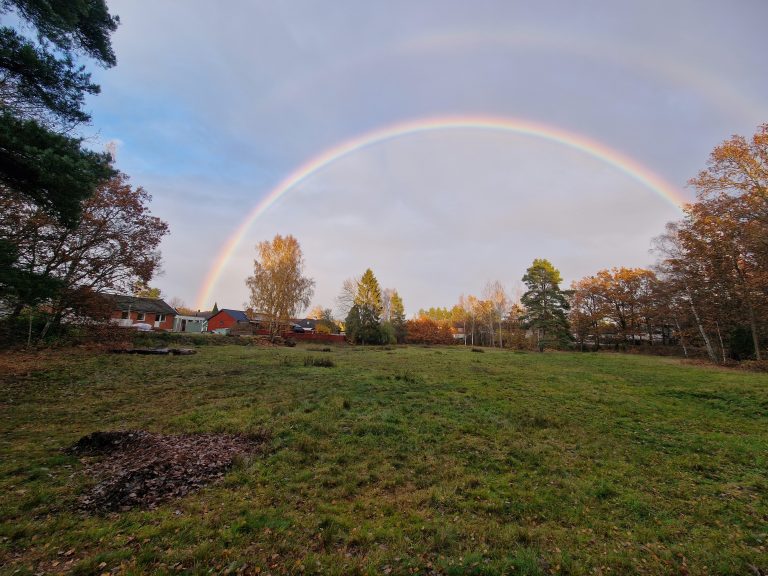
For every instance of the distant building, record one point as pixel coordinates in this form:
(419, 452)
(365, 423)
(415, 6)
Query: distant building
(226, 319)
(197, 322)
(131, 310)
(309, 324)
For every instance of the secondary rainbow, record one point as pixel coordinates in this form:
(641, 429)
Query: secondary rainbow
(590, 147)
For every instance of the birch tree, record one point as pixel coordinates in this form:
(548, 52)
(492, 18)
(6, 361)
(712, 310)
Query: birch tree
(278, 286)
(495, 294)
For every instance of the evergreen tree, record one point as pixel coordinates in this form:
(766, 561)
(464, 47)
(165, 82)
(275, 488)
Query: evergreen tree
(369, 294)
(363, 320)
(397, 317)
(545, 305)
(42, 94)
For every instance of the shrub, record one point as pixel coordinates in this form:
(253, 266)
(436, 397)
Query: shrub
(517, 340)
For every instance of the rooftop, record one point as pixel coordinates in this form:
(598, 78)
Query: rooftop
(153, 305)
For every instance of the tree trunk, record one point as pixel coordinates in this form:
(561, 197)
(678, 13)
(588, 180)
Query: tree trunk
(47, 327)
(753, 326)
(597, 337)
(710, 351)
(17, 310)
(751, 309)
(55, 319)
(682, 341)
(720, 338)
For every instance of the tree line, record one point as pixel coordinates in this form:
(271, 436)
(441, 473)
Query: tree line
(707, 291)
(708, 288)
(372, 315)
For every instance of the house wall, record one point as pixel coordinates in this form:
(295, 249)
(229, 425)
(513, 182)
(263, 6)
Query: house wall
(149, 318)
(221, 320)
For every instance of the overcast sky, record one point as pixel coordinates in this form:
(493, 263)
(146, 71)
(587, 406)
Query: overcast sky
(212, 107)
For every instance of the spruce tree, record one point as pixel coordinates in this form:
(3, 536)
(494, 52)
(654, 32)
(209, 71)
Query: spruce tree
(363, 320)
(397, 317)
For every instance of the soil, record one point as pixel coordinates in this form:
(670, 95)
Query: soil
(135, 468)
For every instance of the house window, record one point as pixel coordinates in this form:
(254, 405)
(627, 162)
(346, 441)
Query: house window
(140, 316)
(124, 315)
(160, 318)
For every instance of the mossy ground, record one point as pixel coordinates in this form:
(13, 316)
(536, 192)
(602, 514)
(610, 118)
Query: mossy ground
(398, 461)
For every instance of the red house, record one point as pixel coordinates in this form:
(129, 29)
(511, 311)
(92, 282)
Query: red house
(130, 310)
(226, 318)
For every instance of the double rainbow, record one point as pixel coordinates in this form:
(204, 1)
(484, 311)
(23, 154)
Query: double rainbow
(590, 147)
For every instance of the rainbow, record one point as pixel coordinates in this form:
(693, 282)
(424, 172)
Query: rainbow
(621, 162)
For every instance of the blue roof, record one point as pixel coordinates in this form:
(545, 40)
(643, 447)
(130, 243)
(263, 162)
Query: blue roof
(238, 315)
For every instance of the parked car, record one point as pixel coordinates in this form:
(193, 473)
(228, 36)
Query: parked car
(296, 328)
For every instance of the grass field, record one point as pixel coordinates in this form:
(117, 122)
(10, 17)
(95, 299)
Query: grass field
(402, 461)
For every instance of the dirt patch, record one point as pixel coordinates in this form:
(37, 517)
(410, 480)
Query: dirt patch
(134, 468)
(155, 351)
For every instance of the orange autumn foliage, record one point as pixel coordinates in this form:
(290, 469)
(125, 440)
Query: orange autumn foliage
(424, 330)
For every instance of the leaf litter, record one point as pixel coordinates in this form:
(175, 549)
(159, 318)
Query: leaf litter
(136, 468)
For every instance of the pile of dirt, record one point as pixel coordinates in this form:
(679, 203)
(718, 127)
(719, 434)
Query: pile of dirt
(135, 468)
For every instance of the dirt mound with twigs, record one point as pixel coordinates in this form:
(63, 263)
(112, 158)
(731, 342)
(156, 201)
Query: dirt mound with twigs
(135, 468)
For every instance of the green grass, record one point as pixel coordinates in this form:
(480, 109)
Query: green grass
(401, 461)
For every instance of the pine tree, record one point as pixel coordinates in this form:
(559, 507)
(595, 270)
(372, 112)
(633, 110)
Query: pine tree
(43, 92)
(546, 305)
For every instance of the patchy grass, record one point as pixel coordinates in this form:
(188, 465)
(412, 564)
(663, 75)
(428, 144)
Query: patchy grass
(322, 362)
(399, 460)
